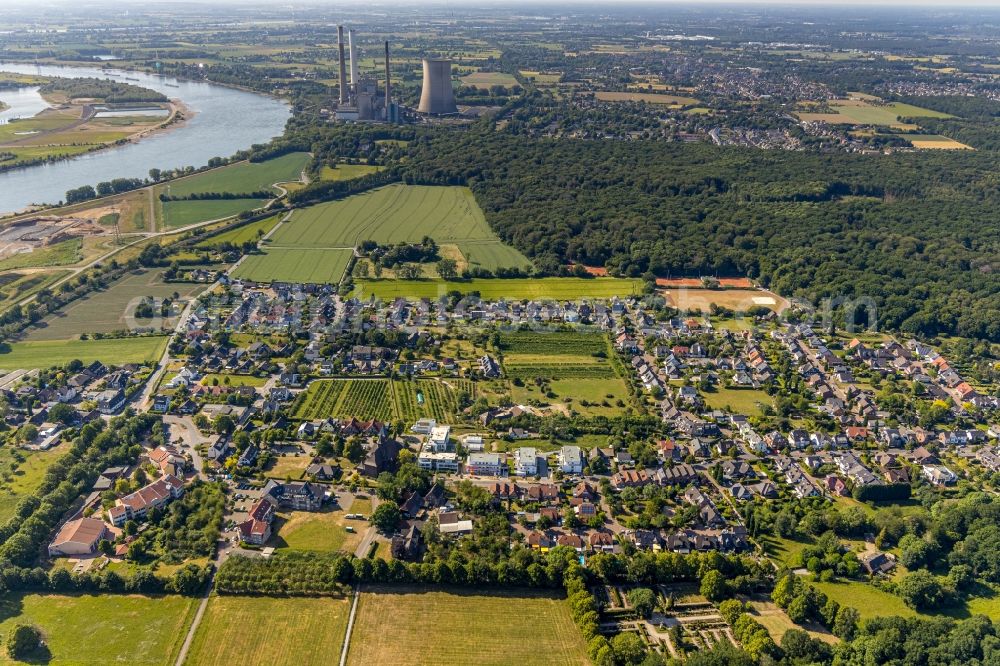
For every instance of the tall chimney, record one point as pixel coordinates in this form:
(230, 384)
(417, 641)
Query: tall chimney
(343, 67)
(354, 58)
(388, 94)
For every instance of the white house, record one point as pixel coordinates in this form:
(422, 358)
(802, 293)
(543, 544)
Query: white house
(423, 426)
(571, 460)
(486, 464)
(439, 439)
(526, 461)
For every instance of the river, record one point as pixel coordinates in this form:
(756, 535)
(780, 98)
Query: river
(225, 121)
(23, 103)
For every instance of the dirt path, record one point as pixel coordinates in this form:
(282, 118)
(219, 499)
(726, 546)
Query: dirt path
(350, 626)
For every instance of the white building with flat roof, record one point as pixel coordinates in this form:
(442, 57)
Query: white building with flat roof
(571, 460)
(423, 426)
(437, 462)
(486, 464)
(440, 438)
(526, 461)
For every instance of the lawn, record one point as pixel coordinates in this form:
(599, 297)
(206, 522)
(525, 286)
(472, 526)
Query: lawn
(242, 177)
(561, 289)
(777, 622)
(288, 467)
(270, 631)
(431, 626)
(601, 395)
(112, 309)
(183, 213)
(317, 531)
(868, 600)
(242, 234)
(22, 478)
(316, 266)
(47, 353)
(400, 213)
(737, 400)
(104, 629)
(233, 380)
(61, 254)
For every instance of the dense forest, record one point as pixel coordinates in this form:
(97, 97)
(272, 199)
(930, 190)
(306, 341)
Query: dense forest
(916, 233)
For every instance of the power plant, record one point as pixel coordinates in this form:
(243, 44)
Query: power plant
(437, 97)
(359, 99)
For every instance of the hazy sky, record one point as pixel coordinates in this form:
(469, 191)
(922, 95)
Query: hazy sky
(828, 4)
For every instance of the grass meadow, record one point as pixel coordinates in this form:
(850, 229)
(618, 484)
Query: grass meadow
(432, 626)
(562, 289)
(241, 234)
(47, 353)
(104, 629)
(316, 266)
(242, 177)
(178, 214)
(263, 631)
(22, 478)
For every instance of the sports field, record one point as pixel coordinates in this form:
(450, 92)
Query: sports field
(400, 213)
(562, 289)
(264, 631)
(111, 309)
(403, 626)
(105, 629)
(315, 266)
(738, 300)
(242, 177)
(46, 353)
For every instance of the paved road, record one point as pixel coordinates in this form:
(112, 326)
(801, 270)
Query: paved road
(350, 626)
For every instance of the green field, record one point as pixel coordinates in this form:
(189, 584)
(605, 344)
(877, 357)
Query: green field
(183, 213)
(861, 112)
(105, 311)
(486, 80)
(400, 213)
(562, 289)
(105, 629)
(17, 286)
(60, 254)
(431, 626)
(317, 531)
(22, 478)
(348, 171)
(46, 353)
(317, 266)
(739, 401)
(262, 631)
(242, 177)
(240, 235)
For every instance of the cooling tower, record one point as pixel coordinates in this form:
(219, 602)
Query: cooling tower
(343, 67)
(437, 96)
(388, 86)
(354, 57)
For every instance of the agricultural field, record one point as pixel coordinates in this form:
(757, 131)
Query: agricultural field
(542, 78)
(557, 355)
(242, 234)
(176, 214)
(561, 289)
(859, 111)
(240, 178)
(935, 142)
(46, 353)
(16, 286)
(486, 80)
(20, 478)
(317, 531)
(103, 629)
(111, 309)
(430, 626)
(317, 266)
(363, 398)
(348, 171)
(60, 254)
(430, 398)
(649, 98)
(301, 631)
(400, 213)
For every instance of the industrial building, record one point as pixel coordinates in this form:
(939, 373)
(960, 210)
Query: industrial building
(360, 100)
(437, 97)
